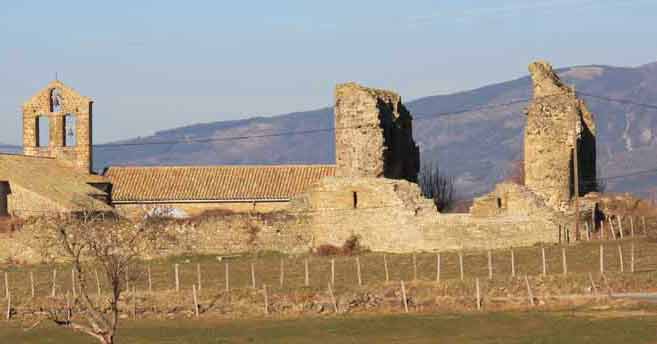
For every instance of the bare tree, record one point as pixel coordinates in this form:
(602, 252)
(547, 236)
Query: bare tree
(112, 245)
(437, 186)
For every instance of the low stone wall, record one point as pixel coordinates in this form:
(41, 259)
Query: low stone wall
(221, 235)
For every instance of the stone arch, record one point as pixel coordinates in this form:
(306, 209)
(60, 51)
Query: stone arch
(55, 100)
(42, 131)
(70, 130)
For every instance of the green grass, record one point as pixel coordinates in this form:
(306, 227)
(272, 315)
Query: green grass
(518, 327)
(582, 258)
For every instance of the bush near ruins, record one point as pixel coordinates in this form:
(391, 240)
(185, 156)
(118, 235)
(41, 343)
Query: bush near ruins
(350, 247)
(436, 186)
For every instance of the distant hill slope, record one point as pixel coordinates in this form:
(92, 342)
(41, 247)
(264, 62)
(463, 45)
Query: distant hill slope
(474, 146)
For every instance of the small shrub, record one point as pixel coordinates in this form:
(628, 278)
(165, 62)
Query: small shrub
(350, 247)
(328, 250)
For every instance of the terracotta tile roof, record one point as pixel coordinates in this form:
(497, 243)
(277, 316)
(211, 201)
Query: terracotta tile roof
(213, 183)
(52, 180)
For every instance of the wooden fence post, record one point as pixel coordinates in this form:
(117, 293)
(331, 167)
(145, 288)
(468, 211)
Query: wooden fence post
(478, 294)
(227, 269)
(6, 284)
(307, 273)
(461, 264)
(360, 277)
(253, 278)
(595, 289)
(632, 257)
(414, 267)
(645, 228)
(490, 265)
(611, 227)
(333, 300)
(543, 261)
(75, 293)
(513, 264)
(620, 225)
(332, 271)
(438, 267)
(8, 306)
(264, 291)
(195, 300)
(564, 261)
(404, 298)
(54, 282)
(530, 295)
(281, 277)
(176, 268)
(198, 277)
(620, 258)
(632, 226)
(32, 283)
(150, 280)
(98, 291)
(602, 259)
(385, 267)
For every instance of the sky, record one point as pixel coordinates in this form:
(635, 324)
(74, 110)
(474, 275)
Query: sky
(153, 65)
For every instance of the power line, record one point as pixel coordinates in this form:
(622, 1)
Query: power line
(333, 129)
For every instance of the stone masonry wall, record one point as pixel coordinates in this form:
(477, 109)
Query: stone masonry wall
(553, 117)
(373, 134)
(71, 103)
(392, 216)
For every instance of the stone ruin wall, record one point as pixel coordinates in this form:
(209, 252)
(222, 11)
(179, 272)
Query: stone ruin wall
(374, 136)
(552, 118)
(78, 156)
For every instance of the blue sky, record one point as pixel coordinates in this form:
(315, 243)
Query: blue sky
(152, 65)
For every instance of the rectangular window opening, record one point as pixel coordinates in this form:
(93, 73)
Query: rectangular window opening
(355, 197)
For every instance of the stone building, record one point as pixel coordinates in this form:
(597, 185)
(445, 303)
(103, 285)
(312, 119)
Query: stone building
(556, 121)
(191, 190)
(53, 176)
(57, 124)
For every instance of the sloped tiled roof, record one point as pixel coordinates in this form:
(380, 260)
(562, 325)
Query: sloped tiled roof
(213, 183)
(54, 181)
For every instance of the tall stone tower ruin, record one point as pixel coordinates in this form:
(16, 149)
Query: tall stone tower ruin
(57, 124)
(374, 134)
(555, 119)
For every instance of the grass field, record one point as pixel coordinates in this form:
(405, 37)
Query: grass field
(581, 258)
(517, 327)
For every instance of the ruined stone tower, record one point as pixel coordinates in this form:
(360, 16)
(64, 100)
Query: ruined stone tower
(554, 118)
(374, 134)
(57, 124)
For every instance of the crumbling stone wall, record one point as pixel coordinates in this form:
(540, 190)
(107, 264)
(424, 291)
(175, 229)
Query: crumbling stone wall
(374, 136)
(554, 118)
(392, 216)
(55, 102)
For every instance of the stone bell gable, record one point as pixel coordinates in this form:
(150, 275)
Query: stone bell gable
(57, 123)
